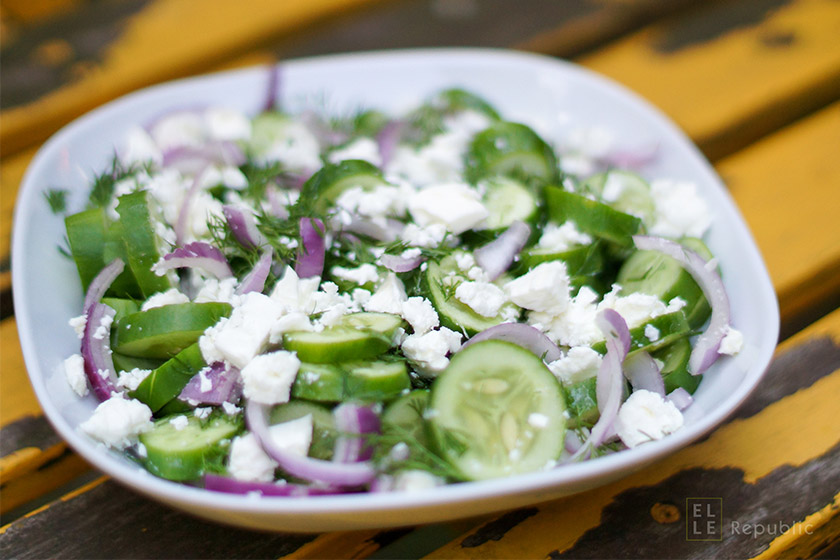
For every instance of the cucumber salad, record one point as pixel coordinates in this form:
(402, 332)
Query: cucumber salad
(293, 304)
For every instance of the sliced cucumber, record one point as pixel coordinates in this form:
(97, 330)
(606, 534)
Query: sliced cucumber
(440, 281)
(184, 454)
(125, 285)
(510, 149)
(405, 416)
(497, 411)
(142, 244)
(167, 381)
(508, 200)
(385, 324)
(162, 332)
(128, 363)
(671, 327)
(376, 381)
(634, 197)
(582, 400)
(319, 382)
(327, 184)
(122, 306)
(656, 274)
(592, 217)
(336, 344)
(460, 100)
(324, 432)
(86, 237)
(675, 366)
(583, 260)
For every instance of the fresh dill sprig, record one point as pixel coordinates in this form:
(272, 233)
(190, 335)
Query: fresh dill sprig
(419, 456)
(102, 191)
(57, 200)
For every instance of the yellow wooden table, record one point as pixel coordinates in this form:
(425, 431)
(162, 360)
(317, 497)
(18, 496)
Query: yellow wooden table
(755, 83)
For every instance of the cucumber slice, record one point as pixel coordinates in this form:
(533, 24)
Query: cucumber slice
(671, 327)
(142, 243)
(319, 382)
(167, 381)
(122, 306)
(125, 285)
(582, 400)
(511, 149)
(327, 184)
(584, 260)
(634, 197)
(376, 381)
(497, 411)
(128, 363)
(439, 282)
(656, 274)
(675, 366)
(385, 324)
(594, 218)
(336, 344)
(184, 454)
(162, 332)
(324, 432)
(405, 416)
(86, 237)
(456, 99)
(507, 200)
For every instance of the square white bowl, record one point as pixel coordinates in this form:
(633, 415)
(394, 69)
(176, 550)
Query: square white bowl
(553, 96)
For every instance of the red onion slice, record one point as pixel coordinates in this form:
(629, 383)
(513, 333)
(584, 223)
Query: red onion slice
(705, 351)
(184, 211)
(397, 263)
(218, 483)
(101, 282)
(523, 335)
(213, 385)
(641, 371)
(681, 398)
(307, 468)
(197, 254)
(387, 140)
(354, 419)
(96, 352)
(272, 97)
(609, 386)
(310, 260)
(191, 160)
(243, 226)
(254, 281)
(387, 233)
(631, 159)
(497, 256)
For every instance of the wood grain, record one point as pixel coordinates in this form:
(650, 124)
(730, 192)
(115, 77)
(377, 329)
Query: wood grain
(730, 72)
(762, 467)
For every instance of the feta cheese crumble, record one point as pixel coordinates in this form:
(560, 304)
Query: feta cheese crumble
(116, 422)
(646, 416)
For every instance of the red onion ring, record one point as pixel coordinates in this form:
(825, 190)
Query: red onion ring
(184, 211)
(96, 352)
(631, 159)
(396, 263)
(523, 335)
(243, 226)
(705, 351)
(497, 256)
(387, 233)
(681, 398)
(197, 254)
(353, 419)
(609, 386)
(387, 140)
(228, 485)
(254, 281)
(310, 260)
(641, 371)
(272, 97)
(307, 468)
(191, 160)
(101, 282)
(225, 386)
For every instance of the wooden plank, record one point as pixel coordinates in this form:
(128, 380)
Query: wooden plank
(787, 188)
(154, 47)
(773, 467)
(730, 72)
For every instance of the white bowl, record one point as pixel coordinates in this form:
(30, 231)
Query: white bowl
(553, 96)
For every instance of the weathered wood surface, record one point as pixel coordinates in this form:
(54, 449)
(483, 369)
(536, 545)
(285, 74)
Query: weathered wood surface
(775, 464)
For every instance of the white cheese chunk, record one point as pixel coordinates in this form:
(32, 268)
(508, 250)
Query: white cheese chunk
(578, 364)
(268, 378)
(559, 238)
(732, 343)
(420, 314)
(388, 297)
(680, 211)
(484, 298)
(544, 288)
(74, 371)
(245, 334)
(455, 205)
(117, 421)
(131, 379)
(169, 297)
(362, 148)
(646, 416)
(429, 351)
(249, 462)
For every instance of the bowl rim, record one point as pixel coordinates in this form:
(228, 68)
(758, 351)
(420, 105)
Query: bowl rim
(568, 476)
